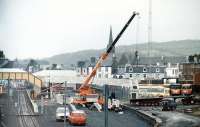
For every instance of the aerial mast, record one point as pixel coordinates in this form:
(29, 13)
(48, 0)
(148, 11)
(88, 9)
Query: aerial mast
(150, 38)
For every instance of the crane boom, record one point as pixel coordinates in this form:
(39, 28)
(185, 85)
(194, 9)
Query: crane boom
(85, 87)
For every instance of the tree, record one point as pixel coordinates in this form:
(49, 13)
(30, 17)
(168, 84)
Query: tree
(81, 64)
(130, 58)
(114, 65)
(2, 56)
(123, 60)
(54, 67)
(191, 59)
(198, 58)
(32, 65)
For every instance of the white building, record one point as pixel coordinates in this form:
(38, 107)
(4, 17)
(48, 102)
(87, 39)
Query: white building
(144, 72)
(103, 72)
(54, 76)
(82, 71)
(172, 71)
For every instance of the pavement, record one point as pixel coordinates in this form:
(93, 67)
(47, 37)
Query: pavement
(172, 118)
(177, 119)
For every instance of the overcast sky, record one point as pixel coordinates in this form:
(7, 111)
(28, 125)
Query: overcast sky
(42, 28)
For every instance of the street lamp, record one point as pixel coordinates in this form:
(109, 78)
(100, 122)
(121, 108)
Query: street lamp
(65, 104)
(106, 105)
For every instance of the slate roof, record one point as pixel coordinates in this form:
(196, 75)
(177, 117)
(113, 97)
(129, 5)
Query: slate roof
(106, 63)
(5, 63)
(160, 60)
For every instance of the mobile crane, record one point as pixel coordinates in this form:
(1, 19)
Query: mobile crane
(87, 94)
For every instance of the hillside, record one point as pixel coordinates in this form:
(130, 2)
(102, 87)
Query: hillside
(171, 48)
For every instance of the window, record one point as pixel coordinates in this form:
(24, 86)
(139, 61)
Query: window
(120, 77)
(99, 75)
(157, 76)
(106, 75)
(130, 69)
(181, 66)
(134, 87)
(144, 69)
(157, 69)
(100, 69)
(106, 69)
(176, 72)
(130, 75)
(145, 75)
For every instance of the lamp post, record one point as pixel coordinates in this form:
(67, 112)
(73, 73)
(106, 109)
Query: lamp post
(65, 104)
(106, 105)
(42, 104)
(49, 87)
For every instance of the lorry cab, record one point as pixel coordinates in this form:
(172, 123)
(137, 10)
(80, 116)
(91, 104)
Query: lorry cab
(186, 89)
(175, 89)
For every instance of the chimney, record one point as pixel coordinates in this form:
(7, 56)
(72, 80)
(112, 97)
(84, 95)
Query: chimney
(168, 64)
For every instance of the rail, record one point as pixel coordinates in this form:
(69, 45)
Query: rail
(25, 113)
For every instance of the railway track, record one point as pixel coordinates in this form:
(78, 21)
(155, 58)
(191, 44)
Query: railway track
(25, 113)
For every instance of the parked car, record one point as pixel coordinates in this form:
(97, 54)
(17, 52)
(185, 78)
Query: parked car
(60, 113)
(77, 117)
(168, 105)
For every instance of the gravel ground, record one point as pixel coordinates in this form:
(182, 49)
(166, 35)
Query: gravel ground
(176, 119)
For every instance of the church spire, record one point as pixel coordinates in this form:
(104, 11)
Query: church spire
(111, 40)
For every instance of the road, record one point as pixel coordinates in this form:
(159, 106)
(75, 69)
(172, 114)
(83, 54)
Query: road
(94, 119)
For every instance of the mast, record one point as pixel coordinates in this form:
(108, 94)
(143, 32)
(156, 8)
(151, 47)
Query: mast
(150, 38)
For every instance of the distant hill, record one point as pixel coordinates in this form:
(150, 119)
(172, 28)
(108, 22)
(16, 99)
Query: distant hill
(171, 48)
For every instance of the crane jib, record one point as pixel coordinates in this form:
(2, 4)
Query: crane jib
(121, 32)
(85, 87)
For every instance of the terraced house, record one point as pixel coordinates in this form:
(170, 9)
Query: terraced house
(143, 72)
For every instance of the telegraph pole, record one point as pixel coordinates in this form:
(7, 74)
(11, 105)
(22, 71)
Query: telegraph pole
(106, 105)
(150, 39)
(65, 103)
